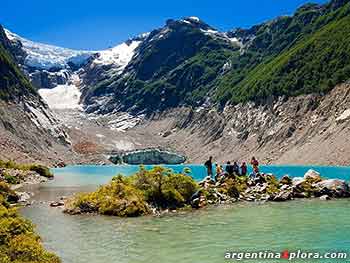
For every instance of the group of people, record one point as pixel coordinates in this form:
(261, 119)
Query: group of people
(232, 169)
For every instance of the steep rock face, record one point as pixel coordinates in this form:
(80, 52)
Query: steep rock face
(28, 128)
(48, 80)
(300, 130)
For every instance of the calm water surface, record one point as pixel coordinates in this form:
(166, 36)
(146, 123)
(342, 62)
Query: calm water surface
(201, 236)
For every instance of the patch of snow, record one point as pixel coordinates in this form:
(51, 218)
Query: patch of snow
(199, 109)
(191, 19)
(119, 55)
(44, 119)
(124, 121)
(226, 67)
(65, 96)
(123, 145)
(210, 31)
(45, 56)
(144, 35)
(236, 41)
(194, 18)
(100, 135)
(344, 116)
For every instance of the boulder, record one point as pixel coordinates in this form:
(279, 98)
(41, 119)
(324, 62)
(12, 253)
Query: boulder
(286, 180)
(344, 116)
(207, 182)
(325, 197)
(285, 187)
(57, 204)
(333, 188)
(297, 180)
(23, 197)
(312, 176)
(283, 195)
(166, 134)
(195, 203)
(303, 189)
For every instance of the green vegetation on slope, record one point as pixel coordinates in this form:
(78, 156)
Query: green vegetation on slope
(40, 169)
(13, 84)
(18, 241)
(316, 62)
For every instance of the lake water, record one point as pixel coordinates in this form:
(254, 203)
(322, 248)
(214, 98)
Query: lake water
(96, 175)
(201, 236)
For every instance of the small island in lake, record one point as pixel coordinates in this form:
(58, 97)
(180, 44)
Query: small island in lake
(160, 190)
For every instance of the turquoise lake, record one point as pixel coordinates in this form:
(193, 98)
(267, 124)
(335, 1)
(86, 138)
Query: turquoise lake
(201, 236)
(95, 175)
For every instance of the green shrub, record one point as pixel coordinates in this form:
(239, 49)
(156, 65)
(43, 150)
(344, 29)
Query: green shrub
(131, 196)
(7, 193)
(42, 170)
(273, 184)
(118, 198)
(18, 242)
(164, 188)
(11, 179)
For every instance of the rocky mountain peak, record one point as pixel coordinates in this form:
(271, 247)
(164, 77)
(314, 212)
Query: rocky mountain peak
(192, 21)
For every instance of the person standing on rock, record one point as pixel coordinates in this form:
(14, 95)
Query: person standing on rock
(229, 168)
(243, 169)
(236, 168)
(209, 165)
(255, 164)
(219, 171)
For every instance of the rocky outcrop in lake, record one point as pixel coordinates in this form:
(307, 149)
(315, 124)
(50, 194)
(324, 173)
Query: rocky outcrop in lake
(160, 190)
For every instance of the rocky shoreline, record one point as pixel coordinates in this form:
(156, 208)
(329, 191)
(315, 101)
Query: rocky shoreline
(17, 176)
(266, 187)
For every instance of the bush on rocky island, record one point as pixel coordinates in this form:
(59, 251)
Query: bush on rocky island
(119, 198)
(136, 195)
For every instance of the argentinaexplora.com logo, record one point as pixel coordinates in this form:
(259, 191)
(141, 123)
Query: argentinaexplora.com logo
(286, 254)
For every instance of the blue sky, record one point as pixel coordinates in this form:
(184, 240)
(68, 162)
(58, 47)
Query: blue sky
(100, 24)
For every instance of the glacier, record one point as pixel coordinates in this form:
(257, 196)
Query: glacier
(44, 56)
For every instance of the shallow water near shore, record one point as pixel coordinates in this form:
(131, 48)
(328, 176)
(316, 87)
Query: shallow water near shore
(200, 236)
